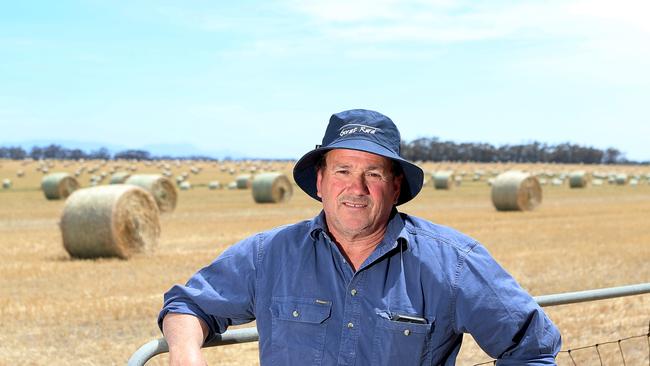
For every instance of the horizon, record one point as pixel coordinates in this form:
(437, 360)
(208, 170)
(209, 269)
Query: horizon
(262, 78)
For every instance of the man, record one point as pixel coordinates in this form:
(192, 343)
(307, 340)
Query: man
(361, 283)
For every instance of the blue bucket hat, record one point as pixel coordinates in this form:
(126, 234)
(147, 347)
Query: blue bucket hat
(363, 130)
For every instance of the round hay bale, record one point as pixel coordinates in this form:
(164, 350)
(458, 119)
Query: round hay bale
(516, 190)
(557, 181)
(243, 181)
(272, 188)
(232, 185)
(621, 179)
(6, 183)
(185, 185)
(119, 177)
(443, 179)
(578, 179)
(160, 187)
(215, 184)
(58, 185)
(110, 221)
(597, 182)
(20, 173)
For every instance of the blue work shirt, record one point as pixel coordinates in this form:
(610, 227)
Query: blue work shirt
(312, 308)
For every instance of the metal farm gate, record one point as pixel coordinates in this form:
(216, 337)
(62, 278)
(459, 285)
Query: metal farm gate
(158, 346)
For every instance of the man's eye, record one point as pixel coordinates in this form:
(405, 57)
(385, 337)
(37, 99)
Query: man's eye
(342, 172)
(374, 176)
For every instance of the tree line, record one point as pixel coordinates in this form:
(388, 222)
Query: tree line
(433, 149)
(421, 149)
(59, 152)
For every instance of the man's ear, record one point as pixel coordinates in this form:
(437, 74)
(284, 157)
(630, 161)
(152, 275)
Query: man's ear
(319, 178)
(397, 184)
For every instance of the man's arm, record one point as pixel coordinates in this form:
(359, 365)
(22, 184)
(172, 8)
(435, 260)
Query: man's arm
(501, 316)
(185, 335)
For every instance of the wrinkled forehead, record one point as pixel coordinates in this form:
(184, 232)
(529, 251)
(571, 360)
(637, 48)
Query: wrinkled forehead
(356, 158)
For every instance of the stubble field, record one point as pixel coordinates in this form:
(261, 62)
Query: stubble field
(55, 310)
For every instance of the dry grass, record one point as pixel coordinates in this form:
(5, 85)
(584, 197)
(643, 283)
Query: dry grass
(58, 311)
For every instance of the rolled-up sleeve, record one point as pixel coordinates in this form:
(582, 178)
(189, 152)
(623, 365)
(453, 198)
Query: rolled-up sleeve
(221, 294)
(502, 317)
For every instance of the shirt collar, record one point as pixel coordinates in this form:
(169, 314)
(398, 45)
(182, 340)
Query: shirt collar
(317, 225)
(395, 230)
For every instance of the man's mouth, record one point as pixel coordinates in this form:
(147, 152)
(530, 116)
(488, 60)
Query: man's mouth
(354, 205)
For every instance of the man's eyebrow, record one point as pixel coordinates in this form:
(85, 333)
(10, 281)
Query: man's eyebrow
(341, 165)
(348, 166)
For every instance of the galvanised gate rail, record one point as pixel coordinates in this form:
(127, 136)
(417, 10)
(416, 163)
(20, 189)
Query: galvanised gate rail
(158, 346)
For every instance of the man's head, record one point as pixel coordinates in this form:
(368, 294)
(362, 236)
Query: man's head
(364, 131)
(358, 190)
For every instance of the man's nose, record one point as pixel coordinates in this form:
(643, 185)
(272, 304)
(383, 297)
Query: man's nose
(358, 184)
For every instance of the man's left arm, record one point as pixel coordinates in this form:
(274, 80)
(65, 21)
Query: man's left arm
(501, 316)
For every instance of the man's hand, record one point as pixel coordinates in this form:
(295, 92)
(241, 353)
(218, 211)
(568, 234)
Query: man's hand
(185, 335)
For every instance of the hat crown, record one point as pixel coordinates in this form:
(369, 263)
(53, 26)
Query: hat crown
(363, 124)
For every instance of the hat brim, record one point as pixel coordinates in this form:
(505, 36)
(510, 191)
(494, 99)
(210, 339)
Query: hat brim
(304, 172)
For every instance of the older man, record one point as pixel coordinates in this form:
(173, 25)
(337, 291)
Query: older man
(361, 283)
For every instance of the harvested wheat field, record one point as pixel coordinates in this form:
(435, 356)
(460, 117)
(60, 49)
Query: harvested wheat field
(55, 310)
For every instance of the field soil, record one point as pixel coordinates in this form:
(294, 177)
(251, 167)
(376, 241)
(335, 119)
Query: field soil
(56, 310)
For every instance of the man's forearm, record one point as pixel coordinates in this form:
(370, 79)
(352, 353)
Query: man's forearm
(185, 335)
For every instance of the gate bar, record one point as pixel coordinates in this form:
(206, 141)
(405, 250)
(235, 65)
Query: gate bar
(244, 335)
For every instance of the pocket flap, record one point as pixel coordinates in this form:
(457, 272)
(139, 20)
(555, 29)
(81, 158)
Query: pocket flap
(303, 310)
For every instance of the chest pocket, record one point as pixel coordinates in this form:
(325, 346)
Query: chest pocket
(298, 330)
(401, 343)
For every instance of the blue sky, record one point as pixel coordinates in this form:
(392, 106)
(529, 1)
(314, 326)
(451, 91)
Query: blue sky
(261, 78)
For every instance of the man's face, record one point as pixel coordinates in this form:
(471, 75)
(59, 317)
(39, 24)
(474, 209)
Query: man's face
(358, 190)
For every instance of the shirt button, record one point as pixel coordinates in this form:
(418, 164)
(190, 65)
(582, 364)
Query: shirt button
(350, 325)
(295, 313)
(407, 332)
(353, 292)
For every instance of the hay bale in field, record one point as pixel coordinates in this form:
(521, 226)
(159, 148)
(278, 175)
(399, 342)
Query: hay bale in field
(20, 173)
(232, 185)
(272, 188)
(215, 184)
(58, 185)
(578, 179)
(634, 182)
(243, 181)
(6, 183)
(597, 182)
(160, 187)
(557, 181)
(185, 185)
(621, 179)
(516, 190)
(119, 177)
(443, 179)
(110, 221)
